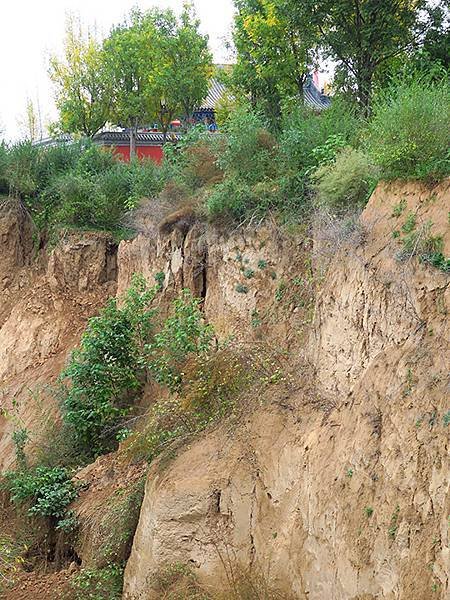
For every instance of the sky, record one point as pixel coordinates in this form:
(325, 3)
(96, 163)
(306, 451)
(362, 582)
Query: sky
(32, 30)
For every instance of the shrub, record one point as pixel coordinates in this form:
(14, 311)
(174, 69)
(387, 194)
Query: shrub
(104, 372)
(345, 183)
(208, 390)
(182, 334)
(201, 166)
(408, 133)
(49, 490)
(98, 584)
(421, 243)
(22, 169)
(146, 181)
(249, 149)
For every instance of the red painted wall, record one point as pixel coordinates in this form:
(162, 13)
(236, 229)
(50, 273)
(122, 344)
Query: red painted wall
(153, 152)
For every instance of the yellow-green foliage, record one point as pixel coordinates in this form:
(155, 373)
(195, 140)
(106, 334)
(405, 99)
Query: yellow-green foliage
(346, 182)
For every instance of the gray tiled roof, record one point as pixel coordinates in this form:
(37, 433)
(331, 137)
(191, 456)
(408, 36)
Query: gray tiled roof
(313, 96)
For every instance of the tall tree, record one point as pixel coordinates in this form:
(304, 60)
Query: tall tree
(160, 68)
(130, 57)
(82, 86)
(275, 50)
(361, 35)
(30, 124)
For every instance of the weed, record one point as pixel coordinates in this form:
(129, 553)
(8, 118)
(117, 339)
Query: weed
(409, 382)
(350, 473)
(262, 264)
(396, 234)
(280, 291)
(410, 223)
(393, 527)
(98, 584)
(369, 511)
(256, 319)
(249, 273)
(446, 419)
(241, 288)
(399, 208)
(160, 278)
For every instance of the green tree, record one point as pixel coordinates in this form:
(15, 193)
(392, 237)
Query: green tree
(187, 68)
(130, 57)
(362, 35)
(30, 123)
(159, 67)
(82, 85)
(275, 51)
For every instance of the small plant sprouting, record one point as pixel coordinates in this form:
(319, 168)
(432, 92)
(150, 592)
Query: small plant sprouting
(273, 275)
(396, 234)
(410, 223)
(369, 511)
(160, 277)
(446, 419)
(350, 473)
(256, 319)
(262, 264)
(249, 273)
(241, 288)
(279, 293)
(409, 382)
(399, 208)
(393, 527)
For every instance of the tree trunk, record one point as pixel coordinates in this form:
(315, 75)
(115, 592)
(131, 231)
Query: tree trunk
(133, 131)
(364, 82)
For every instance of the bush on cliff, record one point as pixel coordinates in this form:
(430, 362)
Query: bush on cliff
(345, 183)
(121, 349)
(76, 185)
(408, 135)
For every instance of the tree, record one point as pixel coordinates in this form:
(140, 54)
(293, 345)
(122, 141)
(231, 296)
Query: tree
(362, 35)
(83, 90)
(130, 56)
(275, 51)
(30, 123)
(183, 68)
(159, 67)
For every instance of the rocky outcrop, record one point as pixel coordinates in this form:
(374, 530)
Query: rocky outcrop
(253, 281)
(350, 503)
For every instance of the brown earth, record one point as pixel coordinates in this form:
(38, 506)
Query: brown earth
(335, 483)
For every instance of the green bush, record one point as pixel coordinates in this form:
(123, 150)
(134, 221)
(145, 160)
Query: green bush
(48, 490)
(76, 185)
(105, 373)
(182, 334)
(249, 150)
(98, 584)
(232, 199)
(408, 135)
(146, 181)
(345, 183)
(21, 170)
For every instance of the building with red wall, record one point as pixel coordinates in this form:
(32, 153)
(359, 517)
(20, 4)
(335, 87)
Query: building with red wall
(148, 144)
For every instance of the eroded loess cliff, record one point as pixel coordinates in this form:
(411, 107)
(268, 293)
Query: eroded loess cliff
(45, 302)
(335, 483)
(350, 502)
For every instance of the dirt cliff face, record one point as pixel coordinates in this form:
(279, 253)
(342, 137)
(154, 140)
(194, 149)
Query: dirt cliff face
(348, 503)
(45, 303)
(335, 483)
